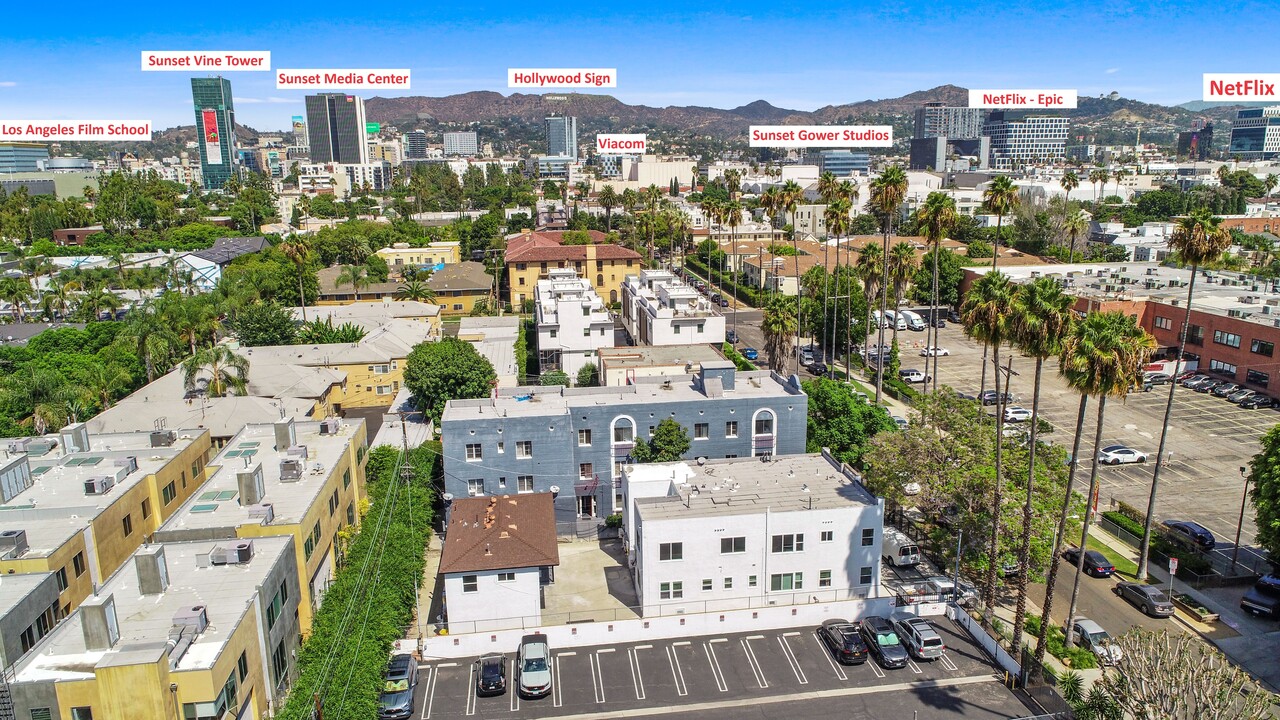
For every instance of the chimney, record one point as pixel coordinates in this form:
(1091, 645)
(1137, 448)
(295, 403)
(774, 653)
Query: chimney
(153, 573)
(591, 256)
(285, 435)
(98, 622)
(250, 483)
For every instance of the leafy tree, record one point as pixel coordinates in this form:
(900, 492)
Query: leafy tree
(588, 375)
(577, 237)
(669, 443)
(1264, 473)
(449, 369)
(979, 249)
(950, 275)
(263, 324)
(554, 377)
(841, 421)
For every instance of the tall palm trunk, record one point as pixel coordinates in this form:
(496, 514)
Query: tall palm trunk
(995, 255)
(1059, 531)
(1145, 548)
(1088, 518)
(302, 295)
(799, 298)
(826, 321)
(1024, 546)
(884, 304)
(997, 496)
(937, 250)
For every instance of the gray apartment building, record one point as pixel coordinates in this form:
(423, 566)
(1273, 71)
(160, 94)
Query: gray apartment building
(574, 442)
(336, 129)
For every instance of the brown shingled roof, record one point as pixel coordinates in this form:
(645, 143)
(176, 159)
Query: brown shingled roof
(500, 532)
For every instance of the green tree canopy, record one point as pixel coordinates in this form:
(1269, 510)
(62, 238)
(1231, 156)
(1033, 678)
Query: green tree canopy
(263, 324)
(841, 421)
(1264, 473)
(588, 375)
(950, 275)
(669, 443)
(448, 369)
(554, 377)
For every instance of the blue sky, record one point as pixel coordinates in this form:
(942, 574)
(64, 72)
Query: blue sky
(84, 62)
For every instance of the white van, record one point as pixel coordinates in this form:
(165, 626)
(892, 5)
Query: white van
(894, 319)
(875, 319)
(914, 321)
(900, 550)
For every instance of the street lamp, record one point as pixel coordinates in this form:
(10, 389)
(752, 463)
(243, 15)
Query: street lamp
(1235, 551)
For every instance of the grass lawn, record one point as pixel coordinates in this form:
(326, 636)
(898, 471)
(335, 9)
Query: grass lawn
(1124, 565)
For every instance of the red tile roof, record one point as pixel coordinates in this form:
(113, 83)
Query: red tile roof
(546, 246)
(500, 532)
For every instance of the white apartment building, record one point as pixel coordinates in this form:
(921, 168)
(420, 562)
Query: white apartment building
(460, 143)
(740, 532)
(573, 322)
(658, 309)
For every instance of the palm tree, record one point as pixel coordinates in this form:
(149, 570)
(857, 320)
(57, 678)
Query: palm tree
(887, 193)
(1102, 358)
(902, 267)
(652, 198)
(1270, 183)
(583, 190)
(1096, 177)
(1118, 175)
(103, 381)
(1075, 225)
(227, 370)
(354, 275)
(792, 194)
(850, 191)
(1197, 239)
(731, 215)
(1070, 181)
(779, 325)
(986, 311)
(936, 218)
(828, 187)
(16, 293)
(416, 290)
(1001, 198)
(837, 219)
(57, 300)
(117, 258)
(771, 202)
(870, 270)
(1042, 318)
(608, 200)
(296, 249)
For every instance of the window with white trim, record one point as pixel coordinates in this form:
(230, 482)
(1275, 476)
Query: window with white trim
(524, 449)
(474, 454)
(475, 487)
(731, 545)
(671, 551)
(524, 484)
(470, 583)
(701, 431)
(790, 542)
(824, 578)
(779, 582)
(506, 577)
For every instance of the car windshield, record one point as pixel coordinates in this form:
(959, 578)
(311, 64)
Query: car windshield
(1099, 637)
(536, 664)
(887, 639)
(395, 686)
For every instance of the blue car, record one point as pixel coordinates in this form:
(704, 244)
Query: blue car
(750, 353)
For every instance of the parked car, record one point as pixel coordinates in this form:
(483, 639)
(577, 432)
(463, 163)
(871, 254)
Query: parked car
(818, 368)
(953, 316)
(933, 350)
(844, 641)
(534, 662)
(913, 320)
(806, 356)
(1016, 414)
(1119, 454)
(1194, 380)
(731, 336)
(963, 592)
(1240, 396)
(1190, 533)
(900, 421)
(1150, 599)
(1264, 597)
(1226, 389)
(724, 303)
(750, 353)
(919, 636)
(1157, 378)
(401, 677)
(1186, 375)
(883, 642)
(492, 676)
(1092, 637)
(1095, 563)
(913, 376)
(989, 397)
(966, 396)
(1258, 400)
(1208, 385)
(940, 322)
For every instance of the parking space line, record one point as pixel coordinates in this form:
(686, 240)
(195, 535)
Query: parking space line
(791, 658)
(557, 698)
(676, 673)
(751, 659)
(914, 667)
(432, 674)
(471, 696)
(948, 663)
(716, 672)
(827, 654)
(875, 668)
(633, 656)
(597, 677)
(515, 692)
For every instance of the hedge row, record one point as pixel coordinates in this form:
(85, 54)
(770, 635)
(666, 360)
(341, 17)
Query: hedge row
(736, 357)
(752, 295)
(1190, 561)
(344, 661)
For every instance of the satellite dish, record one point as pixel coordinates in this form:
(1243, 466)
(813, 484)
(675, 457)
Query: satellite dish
(555, 489)
(702, 461)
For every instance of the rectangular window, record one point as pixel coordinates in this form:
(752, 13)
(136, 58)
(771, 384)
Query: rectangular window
(864, 576)
(384, 390)
(1253, 377)
(728, 583)
(671, 551)
(622, 434)
(524, 449)
(764, 425)
(1164, 323)
(333, 503)
(1262, 347)
(77, 563)
(826, 536)
(701, 431)
(502, 448)
(346, 478)
(62, 578)
(127, 522)
(146, 508)
(274, 610)
(1226, 338)
(474, 453)
(786, 581)
(675, 329)
(168, 493)
(242, 666)
(868, 537)
(379, 369)
(584, 438)
(586, 471)
(824, 578)
(506, 577)
(1195, 334)
(1225, 368)
(731, 429)
(788, 543)
(470, 583)
(586, 332)
(751, 581)
(701, 327)
(475, 487)
(733, 545)
(707, 584)
(502, 483)
(671, 590)
(524, 484)
(81, 713)
(280, 663)
(351, 513)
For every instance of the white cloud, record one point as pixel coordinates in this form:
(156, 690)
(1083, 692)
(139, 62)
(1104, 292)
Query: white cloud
(8, 83)
(246, 101)
(1112, 71)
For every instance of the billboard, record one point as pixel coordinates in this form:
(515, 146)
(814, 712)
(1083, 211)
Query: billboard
(212, 140)
(299, 127)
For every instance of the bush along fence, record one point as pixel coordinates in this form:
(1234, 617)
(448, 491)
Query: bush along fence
(737, 359)
(371, 600)
(1194, 566)
(751, 295)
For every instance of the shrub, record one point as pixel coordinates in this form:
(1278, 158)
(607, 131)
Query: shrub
(1077, 657)
(736, 357)
(1124, 522)
(613, 521)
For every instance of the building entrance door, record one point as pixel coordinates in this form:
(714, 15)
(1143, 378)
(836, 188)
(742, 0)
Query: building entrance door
(586, 505)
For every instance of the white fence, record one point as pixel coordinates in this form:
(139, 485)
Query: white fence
(984, 639)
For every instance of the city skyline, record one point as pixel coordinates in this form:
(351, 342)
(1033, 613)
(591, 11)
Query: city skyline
(688, 57)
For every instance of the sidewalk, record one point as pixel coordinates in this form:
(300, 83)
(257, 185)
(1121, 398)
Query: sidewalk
(428, 607)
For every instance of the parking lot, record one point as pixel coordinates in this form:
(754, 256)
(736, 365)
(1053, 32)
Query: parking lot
(709, 675)
(1210, 438)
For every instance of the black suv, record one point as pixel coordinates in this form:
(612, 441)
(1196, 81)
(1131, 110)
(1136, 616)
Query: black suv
(842, 638)
(1190, 534)
(1264, 597)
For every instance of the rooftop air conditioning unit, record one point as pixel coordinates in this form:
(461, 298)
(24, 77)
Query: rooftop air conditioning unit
(40, 446)
(13, 543)
(130, 464)
(1151, 271)
(163, 438)
(291, 470)
(243, 551)
(195, 617)
(99, 485)
(19, 445)
(262, 511)
(224, 556)
(298, 451)
(1236, 313)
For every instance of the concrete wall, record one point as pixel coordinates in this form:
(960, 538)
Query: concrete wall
(23, 615)
(494, 599)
